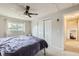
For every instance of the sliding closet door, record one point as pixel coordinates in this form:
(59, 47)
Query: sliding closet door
(48, 32)
(41, 29)
(54, 34)
(35, 28)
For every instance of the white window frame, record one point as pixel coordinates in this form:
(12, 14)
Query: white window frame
(18, 22)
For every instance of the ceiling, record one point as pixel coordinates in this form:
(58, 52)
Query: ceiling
(16, 10)
(72, 16)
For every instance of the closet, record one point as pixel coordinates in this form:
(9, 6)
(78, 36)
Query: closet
(51, 31)
(37, 28)
(42, 29)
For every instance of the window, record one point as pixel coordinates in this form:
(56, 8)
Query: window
(16, 27)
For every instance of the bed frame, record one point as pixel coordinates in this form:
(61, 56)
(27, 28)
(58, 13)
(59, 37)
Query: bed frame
(44, 52)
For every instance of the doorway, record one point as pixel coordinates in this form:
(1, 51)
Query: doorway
(71, 42)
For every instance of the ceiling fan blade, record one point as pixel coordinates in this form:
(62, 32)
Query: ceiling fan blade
(33, 13)
(29, 15)
(27, 8)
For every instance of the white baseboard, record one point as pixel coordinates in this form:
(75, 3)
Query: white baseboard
(60, 52)
(55, 48)
(54, 51)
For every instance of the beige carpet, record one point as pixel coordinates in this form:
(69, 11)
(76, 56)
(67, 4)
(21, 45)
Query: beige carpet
(72, 45)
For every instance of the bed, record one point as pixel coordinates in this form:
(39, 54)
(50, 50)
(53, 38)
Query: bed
(21, 46)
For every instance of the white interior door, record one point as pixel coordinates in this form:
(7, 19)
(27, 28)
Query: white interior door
(35, 28)
(51, 30)
(40, 29)
(48, 32)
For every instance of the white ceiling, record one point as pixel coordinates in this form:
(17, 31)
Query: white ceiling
(72, 15)
(16, 10)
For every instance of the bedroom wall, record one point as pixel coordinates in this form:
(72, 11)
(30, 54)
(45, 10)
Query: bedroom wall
(55, 29)
(3, 26)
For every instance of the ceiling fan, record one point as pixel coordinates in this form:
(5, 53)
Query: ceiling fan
(28, 13)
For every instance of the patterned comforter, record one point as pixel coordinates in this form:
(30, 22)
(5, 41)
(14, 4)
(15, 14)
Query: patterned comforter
(15, 45)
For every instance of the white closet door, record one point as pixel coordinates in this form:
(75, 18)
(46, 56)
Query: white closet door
(48, 32)
(40, 29)
(35, 28)
(53, 30)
